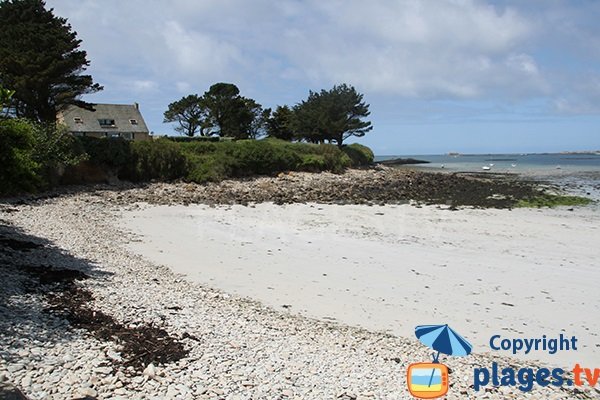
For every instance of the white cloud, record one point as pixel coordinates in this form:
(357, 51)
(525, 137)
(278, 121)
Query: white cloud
(447, 50)
(144, 85)
(198, 52)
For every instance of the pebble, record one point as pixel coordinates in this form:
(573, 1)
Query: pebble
(150, 371)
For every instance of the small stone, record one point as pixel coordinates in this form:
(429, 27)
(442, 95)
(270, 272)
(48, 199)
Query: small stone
(103, 370)
(120, 391)
(23, 353)
(150, 371)
(68, 358)
(26, 381)
(88, 392)
(113, 355)
(14, 367)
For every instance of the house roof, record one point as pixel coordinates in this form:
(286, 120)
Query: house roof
(79, 119)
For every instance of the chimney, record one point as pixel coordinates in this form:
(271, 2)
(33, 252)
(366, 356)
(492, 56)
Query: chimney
(137, 106)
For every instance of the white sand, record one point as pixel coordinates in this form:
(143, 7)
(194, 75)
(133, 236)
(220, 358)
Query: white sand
(520, 273)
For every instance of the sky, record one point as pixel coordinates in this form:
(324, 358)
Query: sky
(440, 76)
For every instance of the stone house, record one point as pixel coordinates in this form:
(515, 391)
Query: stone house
(106, 121)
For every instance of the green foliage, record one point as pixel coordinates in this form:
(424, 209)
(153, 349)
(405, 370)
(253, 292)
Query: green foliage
(220, 111)
(191, 115)
(160, 159)
(186, 139)
(113, 154)
(280, 124)
(33, 153)
(359, 154)
(5, 96)
(331, 115)
(553, 200)
(217, 161)
(19, 170)
(55, 146)
(40, 59)
(228, 114)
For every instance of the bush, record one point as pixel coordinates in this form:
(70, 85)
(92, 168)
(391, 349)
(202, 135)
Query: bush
(159, 159)
(55, 149)
(312, 163)
(19, 170)
(31, 153)
(195, 139)
(359, 155)
(114, 153)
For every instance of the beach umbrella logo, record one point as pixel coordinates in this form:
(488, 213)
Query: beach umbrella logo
(430, 379)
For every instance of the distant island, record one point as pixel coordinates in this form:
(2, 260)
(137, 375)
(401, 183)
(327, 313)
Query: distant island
(588, 152)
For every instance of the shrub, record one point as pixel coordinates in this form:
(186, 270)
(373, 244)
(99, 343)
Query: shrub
(55, 148)
(359, 155)
(252, 157)
(19, 171)
(159, 159)
(195, 139)
(312, 163)
(113, 153)
(335, 160)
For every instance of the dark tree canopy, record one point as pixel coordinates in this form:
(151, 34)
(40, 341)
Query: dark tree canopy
(332, 115)
(220, 111)
(40, 59)
(227, 110)
(190, 114)
(259, 118)
(280, 124)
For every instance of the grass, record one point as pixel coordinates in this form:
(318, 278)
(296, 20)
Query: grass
(553, 200)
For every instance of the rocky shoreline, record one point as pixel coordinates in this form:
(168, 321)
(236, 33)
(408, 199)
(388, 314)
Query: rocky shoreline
(232, 348)
(378, 185)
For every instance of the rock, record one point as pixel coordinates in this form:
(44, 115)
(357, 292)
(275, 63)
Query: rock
(150, 371)
(26, 381)
(14, 367)
(103, 370)
(89, 392)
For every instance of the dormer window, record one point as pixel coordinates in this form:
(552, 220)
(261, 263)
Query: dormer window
(133, 121)
(78, 120)
(107, 123)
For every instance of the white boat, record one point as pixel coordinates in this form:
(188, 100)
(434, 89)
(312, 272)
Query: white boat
(491, 165)
(513, 165)
(558, 167)
(486, 168)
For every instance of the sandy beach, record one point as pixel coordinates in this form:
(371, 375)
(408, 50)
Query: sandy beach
(156, 292)
(520, 273)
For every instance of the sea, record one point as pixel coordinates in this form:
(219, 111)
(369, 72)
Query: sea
(576, 173)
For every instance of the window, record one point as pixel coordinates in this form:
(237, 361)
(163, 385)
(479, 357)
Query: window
(106, 123)
(78, 120)
(127, 135)
(133, 121)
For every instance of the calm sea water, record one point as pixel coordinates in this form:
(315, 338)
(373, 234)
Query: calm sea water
(576, 173)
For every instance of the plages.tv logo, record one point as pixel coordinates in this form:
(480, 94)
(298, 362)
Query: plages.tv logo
(429, 380)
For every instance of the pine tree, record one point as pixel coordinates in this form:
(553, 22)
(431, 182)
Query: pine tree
(40, 60)
(332, 115)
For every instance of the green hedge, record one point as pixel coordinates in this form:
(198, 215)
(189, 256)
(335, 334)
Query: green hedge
(26, 158)
(216, 161)
(359, 154)
(160, 159)
(18, 170)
